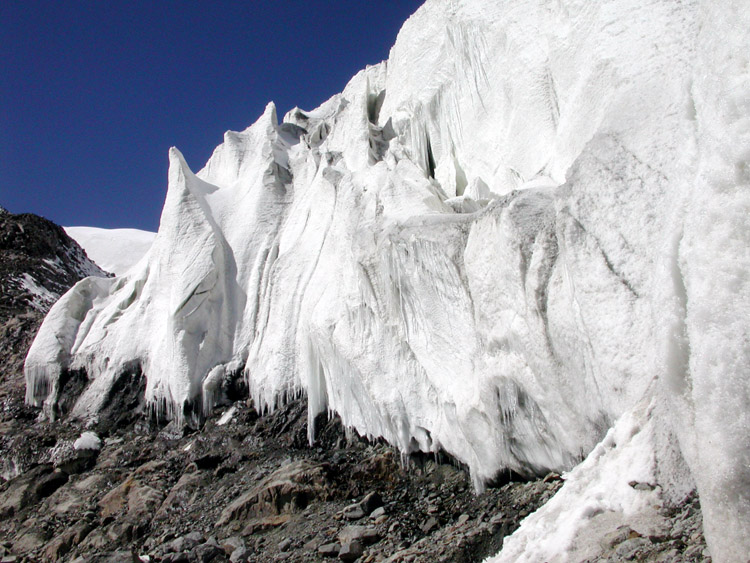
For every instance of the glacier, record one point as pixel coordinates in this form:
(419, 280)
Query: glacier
(525, 230)
(113, 250)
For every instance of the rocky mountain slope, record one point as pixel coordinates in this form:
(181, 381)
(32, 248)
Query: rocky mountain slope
(38, 263)
(249, 488)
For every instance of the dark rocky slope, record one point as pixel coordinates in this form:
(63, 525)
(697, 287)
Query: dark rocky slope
(38, 263)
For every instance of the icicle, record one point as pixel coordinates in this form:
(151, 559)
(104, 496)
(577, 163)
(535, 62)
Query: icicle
(211, 389)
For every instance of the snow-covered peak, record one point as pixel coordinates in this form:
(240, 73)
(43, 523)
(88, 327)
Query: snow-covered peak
(114, 250)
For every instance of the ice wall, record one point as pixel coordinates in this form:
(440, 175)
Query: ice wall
(529, 220)
(707, 280)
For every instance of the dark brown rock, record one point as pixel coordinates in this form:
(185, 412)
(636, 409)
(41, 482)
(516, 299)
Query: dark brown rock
(371, 501)
(136, 497)
(59, 546)
(205, 553)
(263, 524)
(289, 489)
(351, 551)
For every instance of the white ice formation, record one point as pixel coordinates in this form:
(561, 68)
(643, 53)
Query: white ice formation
(88, 441)
(114, 250)
(530, 220)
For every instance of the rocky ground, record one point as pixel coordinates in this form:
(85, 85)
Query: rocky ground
(250, 489)
(246, 486)
(683, 541)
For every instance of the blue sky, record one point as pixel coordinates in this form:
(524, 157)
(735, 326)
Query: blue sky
(93, 94)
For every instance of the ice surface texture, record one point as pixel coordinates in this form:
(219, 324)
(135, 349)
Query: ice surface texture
(531, 219)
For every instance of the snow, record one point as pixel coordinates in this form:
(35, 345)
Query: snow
(88, 441)
(523, 232)
(598, 496)
(226, 418)
(114, 250)
(42, 298)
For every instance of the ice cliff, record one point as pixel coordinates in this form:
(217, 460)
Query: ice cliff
(529, 223)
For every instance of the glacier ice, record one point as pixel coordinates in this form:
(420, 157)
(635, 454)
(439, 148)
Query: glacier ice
(525, 225)
(598, 496)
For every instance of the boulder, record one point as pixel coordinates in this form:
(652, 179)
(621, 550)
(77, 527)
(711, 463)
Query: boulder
(205, 553)
(351, 551)
(66, 457)
(186, 542)
(232, 544)
(289, 489)
(364, 534)
(137, 500)
(30, 487)
(371, 502)
(329, 550)
(240, 555)
(285, 544)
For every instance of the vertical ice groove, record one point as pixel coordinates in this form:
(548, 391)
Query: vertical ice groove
(677, 362)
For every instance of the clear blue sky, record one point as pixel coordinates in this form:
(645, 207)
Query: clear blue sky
(93, 94)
